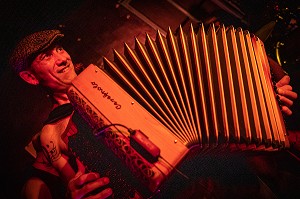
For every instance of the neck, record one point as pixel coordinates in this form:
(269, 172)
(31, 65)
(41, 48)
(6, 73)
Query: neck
(60, 99)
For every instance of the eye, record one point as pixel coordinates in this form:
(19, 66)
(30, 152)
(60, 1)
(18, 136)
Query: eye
(45, 55)
(59, 49)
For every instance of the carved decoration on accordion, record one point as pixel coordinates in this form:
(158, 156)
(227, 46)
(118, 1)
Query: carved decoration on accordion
(94, 120)
(120, 145)
(115, 140)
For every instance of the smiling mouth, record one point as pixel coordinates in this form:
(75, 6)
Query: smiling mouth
(64, 69)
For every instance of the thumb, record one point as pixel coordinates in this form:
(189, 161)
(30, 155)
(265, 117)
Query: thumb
(80, 166)
(79, 173)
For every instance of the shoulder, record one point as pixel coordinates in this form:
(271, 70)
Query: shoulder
(57, 126)
(53, 131)
(35, 188)
(48, 130)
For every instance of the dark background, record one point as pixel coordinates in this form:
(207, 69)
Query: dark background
(93, 28)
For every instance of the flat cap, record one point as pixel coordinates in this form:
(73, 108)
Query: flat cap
(30, 46)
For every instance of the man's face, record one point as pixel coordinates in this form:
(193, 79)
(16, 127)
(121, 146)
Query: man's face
(54, 69)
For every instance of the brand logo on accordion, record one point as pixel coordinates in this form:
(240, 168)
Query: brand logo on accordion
(106, 95)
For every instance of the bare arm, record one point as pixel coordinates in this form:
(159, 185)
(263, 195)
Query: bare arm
(54, 149)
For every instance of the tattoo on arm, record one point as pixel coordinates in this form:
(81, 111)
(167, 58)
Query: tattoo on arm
(51, 152)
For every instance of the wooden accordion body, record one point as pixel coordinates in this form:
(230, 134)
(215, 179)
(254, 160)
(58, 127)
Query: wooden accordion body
(204, 89)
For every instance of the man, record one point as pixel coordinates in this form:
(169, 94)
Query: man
(38, 60)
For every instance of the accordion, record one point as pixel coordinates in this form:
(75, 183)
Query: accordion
(140, 116)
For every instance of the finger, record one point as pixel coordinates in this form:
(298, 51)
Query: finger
(88, 177)
(285, 101)
(80, 166)
(92, 187)
(73, 185)
(283, 81)
(82, 179)
(287, 93)
(285, 87)
(79, 173)
(74, 182)
(286, 110)
(97, 183)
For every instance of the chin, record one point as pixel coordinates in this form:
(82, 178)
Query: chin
(70, 76)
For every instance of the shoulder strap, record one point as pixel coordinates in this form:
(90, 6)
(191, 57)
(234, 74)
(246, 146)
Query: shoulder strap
(59, 112)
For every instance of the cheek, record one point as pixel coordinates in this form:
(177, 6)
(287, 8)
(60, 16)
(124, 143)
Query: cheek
(39, 73)
(48, 81)
(43, 72)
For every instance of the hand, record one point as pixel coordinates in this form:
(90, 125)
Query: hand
(286, 94)
(83, 185)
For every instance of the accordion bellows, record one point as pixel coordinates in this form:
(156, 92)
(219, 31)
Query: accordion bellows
(206, 87)
(202, 88)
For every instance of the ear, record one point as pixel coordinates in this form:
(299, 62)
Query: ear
(29, 77)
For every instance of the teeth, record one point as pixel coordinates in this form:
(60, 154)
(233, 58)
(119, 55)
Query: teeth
(63, 70)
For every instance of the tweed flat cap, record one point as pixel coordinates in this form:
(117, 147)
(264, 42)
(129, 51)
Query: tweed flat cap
(31, 45)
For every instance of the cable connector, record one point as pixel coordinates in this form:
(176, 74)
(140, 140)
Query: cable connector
(140, 138)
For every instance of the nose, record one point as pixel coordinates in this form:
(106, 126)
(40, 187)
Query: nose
(60, 59)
